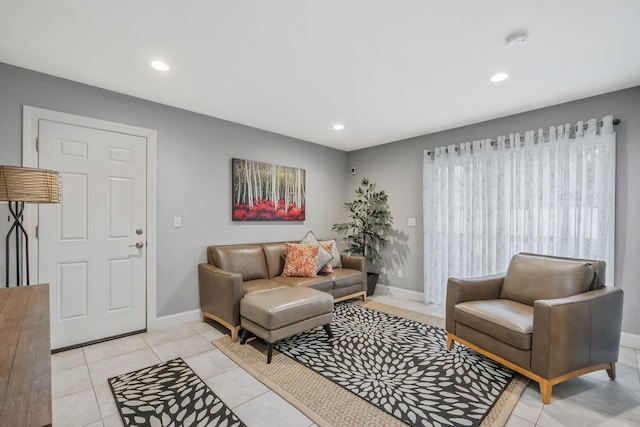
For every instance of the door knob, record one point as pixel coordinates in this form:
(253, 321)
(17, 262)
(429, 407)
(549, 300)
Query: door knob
(138, 245)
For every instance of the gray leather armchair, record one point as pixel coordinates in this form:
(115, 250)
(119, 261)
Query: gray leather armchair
(548, 318)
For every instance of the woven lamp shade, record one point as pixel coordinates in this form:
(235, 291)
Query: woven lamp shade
(18, 184)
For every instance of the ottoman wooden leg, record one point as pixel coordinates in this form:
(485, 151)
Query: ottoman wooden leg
(269, 352)
(327, 329)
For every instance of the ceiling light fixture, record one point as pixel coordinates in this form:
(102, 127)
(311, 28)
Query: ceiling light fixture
(516, 40)
(499, 77)
(160, 65)
(338, 126)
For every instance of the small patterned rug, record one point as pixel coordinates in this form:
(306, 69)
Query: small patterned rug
(169, 394)
(402, 367)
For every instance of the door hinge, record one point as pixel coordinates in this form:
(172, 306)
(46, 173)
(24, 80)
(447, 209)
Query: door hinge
(37, 231)
(37, 144)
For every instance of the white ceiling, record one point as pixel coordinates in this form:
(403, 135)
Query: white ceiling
(387, 70)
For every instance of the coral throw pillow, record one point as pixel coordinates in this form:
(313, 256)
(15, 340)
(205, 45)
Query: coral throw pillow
(300, 260)
(328, 267)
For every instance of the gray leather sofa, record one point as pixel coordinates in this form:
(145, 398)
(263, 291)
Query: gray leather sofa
(233, 271)
(548, 318)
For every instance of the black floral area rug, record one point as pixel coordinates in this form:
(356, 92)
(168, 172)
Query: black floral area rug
(402, 366)
(169, 394)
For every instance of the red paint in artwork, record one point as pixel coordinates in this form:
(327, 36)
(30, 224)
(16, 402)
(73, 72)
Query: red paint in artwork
(267, 210)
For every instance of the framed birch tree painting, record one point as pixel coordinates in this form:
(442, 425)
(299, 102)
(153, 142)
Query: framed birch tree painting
(267, 192)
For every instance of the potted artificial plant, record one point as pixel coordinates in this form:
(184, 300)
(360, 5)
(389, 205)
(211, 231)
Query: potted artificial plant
(368, 227)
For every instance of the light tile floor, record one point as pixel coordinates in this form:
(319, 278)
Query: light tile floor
(81, 395)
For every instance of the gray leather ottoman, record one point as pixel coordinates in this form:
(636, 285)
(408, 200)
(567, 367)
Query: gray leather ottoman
(280, 313)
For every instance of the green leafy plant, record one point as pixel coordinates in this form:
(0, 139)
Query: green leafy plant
(369, 222)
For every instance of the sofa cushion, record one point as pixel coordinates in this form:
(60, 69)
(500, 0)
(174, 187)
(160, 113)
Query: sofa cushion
(321, 283)
(274, 256)
(259, 285)
(509, 321)
(247, 260)
(530, 278)
(343, 277)
(300, 260)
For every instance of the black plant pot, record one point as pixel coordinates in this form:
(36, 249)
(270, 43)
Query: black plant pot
(372, 279)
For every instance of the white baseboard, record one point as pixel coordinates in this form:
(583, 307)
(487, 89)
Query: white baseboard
(398, 292)
(630, 340)
(177, 319)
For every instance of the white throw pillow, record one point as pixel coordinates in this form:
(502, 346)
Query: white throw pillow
(323, 255)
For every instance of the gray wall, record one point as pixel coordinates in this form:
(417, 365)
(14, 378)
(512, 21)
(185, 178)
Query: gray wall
(397, 168)
(194, 162)
(194, 173)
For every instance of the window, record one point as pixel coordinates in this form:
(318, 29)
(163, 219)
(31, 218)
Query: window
(550, 193)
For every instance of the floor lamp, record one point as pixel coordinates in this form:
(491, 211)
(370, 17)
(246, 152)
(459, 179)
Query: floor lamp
(18, 186)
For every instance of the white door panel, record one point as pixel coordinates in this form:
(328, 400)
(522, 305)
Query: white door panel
(87, 242)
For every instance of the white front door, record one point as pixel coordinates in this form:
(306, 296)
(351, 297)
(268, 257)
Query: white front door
(87, 244)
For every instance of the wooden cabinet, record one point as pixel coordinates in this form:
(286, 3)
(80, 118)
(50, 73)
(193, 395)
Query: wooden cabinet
(25, 356)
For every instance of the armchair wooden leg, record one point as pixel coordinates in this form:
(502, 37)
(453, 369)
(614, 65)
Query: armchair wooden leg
(612, 371)
(449, 341)
(545, 391)
(234, 333)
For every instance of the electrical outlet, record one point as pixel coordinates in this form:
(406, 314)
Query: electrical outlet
(400, 273)
(411, 222)
(383, 271)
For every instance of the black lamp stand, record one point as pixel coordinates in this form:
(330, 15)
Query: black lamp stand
(17, 209)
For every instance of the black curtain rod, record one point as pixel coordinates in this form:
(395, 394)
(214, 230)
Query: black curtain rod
(574, 128)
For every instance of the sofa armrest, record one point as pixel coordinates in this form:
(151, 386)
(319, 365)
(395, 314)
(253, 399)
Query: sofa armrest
(576, 332)
(470, 289)
(220, 293)
(353, 262)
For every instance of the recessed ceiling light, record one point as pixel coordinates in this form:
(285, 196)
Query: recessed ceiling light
(160, 65)
(516, 40)
(498, 77)
(338, 126)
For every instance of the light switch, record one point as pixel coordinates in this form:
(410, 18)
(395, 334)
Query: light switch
(400, 273)
(411, 222)
(177, 221)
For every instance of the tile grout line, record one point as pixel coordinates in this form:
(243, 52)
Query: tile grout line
(539, 415)
(71, 392)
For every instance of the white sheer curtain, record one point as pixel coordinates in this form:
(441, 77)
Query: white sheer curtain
(550, 193)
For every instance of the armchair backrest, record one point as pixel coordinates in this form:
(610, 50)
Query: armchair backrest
(531, 277)
(599, 268)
